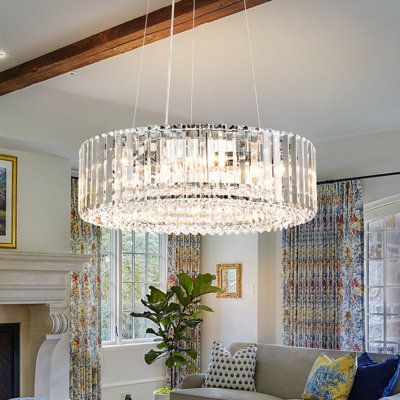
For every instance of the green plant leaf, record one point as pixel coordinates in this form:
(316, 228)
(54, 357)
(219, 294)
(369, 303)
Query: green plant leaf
(179, 359)
(151, 331)
(138, 315)
(205, 289)
(192, 353)
(202, 285)
(152, 307)
(148, 315)
(206, 279)
(204, 308)
(161, 345)
(180, 295)
(173, 307)
(186, 282)
(170, 362)
(152, 356)
(156, 295)
(165, 321)
(193, 322)
(195, 314)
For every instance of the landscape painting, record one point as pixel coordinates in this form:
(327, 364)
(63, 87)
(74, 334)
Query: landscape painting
(8, 201)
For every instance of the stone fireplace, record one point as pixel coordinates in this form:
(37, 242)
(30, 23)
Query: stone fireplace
(34, 295)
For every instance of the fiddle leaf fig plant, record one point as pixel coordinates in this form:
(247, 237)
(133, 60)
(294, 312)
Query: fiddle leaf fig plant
(174, 314)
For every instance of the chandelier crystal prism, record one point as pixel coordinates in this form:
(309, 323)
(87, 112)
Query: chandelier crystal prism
(197, 179)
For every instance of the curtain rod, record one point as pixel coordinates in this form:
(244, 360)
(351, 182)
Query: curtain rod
(359, 177)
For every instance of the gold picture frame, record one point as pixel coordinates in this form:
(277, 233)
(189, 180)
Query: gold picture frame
(229, 279)
(8, 201)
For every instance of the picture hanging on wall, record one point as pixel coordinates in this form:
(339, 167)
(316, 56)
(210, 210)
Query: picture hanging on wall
(229, 277)
(8, 201)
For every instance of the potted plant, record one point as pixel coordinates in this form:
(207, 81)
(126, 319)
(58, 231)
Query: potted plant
(174, 315)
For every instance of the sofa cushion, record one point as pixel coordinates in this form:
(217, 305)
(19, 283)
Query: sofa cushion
(218, 394)
(331, 379)
(374, 380)
(228, 371)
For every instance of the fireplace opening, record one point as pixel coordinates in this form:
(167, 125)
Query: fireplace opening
(9, 361)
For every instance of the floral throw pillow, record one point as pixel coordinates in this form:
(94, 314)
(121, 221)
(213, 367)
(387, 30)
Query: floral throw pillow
(232, 371)
(331, 379)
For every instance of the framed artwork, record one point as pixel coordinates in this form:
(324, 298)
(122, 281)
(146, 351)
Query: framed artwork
(8, 201)
(229, 278)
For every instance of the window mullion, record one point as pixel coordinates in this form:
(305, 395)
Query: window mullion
(118, 258)
(114, 291)
(385, 310)
(366, 285)
(163, 260)
(133, 285)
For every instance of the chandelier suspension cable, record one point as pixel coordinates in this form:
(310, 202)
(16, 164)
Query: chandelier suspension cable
(193, 51)
(141, 64)
(171, 51)
(252, 63)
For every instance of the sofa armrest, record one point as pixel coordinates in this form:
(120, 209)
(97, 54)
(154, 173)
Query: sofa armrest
(193, 381)
(394, 397)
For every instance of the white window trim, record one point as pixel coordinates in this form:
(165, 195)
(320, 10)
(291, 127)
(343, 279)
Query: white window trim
(375, 211)
(116, 289)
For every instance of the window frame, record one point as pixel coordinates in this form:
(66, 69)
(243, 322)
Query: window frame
(116, 281)
(384, 286)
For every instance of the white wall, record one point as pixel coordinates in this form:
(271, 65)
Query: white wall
(269, 288)
(43, 202)
(233, 319)
(359, 155)
(124, 371)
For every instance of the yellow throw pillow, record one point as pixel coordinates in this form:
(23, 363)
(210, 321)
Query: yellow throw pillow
(331, 379)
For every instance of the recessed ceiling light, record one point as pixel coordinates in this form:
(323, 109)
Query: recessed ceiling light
(3, 54)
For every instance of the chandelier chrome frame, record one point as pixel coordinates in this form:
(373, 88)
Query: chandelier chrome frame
(197, 178)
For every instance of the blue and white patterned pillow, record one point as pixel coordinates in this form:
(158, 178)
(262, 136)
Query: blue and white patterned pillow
(232, 371)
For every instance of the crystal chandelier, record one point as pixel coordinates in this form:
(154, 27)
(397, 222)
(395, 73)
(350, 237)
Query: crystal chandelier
(207, 179)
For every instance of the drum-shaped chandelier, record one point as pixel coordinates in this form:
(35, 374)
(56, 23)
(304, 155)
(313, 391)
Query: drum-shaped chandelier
(207, 179)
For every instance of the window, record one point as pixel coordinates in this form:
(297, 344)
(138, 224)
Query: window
(382, 262)
(130, 263)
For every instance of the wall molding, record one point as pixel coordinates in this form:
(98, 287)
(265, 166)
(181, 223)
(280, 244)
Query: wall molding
(382, 208)
(382, 203)
(134, 382)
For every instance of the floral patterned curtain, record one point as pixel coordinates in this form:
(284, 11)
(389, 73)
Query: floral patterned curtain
(184, 256)
(323, 273)
(85, 326)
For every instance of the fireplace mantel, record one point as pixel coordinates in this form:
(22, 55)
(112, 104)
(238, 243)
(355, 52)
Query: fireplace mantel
(37, 278)
(40, 282)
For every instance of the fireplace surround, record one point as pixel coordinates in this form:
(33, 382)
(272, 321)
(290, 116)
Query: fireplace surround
(34, 294)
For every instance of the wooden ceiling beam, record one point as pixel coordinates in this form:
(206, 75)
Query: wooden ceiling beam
(117, 40)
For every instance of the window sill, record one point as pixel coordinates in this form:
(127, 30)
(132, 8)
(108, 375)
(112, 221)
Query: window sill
(128, 346)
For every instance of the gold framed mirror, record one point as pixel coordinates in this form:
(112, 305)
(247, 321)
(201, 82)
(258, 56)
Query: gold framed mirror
(229, 277)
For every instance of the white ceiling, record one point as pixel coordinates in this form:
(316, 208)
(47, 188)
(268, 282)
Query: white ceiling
(325, 69)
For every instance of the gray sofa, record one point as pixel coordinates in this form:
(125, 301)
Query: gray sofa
(281, 373)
